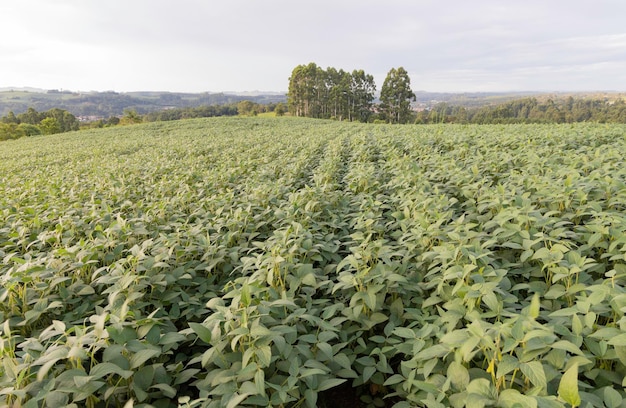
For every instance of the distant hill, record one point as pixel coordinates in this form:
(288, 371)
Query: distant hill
(106, 104)
(478, 99)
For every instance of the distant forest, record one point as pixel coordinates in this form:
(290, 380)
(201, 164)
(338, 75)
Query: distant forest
(529, 110)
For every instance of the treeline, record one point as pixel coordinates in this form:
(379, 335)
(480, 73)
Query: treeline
(189, 113)
(341, 95)
(31, 123)
(244, 108)
(330, 93)
(530, 110)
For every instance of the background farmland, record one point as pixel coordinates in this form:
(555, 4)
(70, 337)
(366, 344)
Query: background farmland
(271, 262)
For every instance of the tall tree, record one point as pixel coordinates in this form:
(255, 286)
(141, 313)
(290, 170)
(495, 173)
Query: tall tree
(362, 91)
(396, 96)
(330, 93)
(336, 92)
(303, 95)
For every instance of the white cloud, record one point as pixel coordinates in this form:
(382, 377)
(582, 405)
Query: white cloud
(194, 45)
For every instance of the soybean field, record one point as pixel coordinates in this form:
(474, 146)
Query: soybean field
(284, 262)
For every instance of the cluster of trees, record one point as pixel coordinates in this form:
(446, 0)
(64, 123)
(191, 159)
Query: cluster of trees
(189, 113)
(396, 96)
(32, 123)
(245, 108)
(530, 110)
(250, 108)
(331, 93)
(338, 94)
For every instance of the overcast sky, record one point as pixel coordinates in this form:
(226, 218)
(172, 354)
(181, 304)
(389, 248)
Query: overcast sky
(245, 45)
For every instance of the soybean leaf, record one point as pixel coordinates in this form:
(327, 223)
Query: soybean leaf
(203, 332)
(568, 386)
(330, 383)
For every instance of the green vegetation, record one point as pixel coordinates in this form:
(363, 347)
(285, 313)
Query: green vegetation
(396, 96)
(234, 262)
(530, 110)
(323, 94)
(32, 123)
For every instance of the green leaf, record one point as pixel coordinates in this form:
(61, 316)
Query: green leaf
(166, 389)
(394, 379)
(56, 399)
(259, 331)
(480, 386)
(533, 309)
(330, 383)
(377, 318)
(142, 356)
(326, 350)
(143, 378)
(43, 370)
(246, 297)
(426, 386)
(542, 253)
(259, 382)
(612, 398)
(567, 346)
(342, 360)
(577, 325)
(619, 340)
(368, 372)
(310, 397)
(203, 332)
(506, 365)
(458, 375)
(404, 332)
(606, 333)
(104, 369)
(236, 399)
(309, 279)
(431, 352)
(568, 386)
(264, 355)
(535, 373)
(511, 398)
(306, 372)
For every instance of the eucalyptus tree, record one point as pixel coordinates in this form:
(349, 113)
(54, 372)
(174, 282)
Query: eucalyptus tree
(304, 93)
(331, 93)
(396, 96)
(362, 91)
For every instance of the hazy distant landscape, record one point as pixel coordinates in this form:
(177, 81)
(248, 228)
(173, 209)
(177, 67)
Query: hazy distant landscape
(107, 104)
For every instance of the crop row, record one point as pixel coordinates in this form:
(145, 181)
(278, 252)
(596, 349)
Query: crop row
(247, 262)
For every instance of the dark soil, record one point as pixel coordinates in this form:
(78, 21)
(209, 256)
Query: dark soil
(346, 396)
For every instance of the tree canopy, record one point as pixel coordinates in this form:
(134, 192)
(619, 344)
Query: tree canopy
(530, 110)
(396, 96)
(331, 93)
(32, 123)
